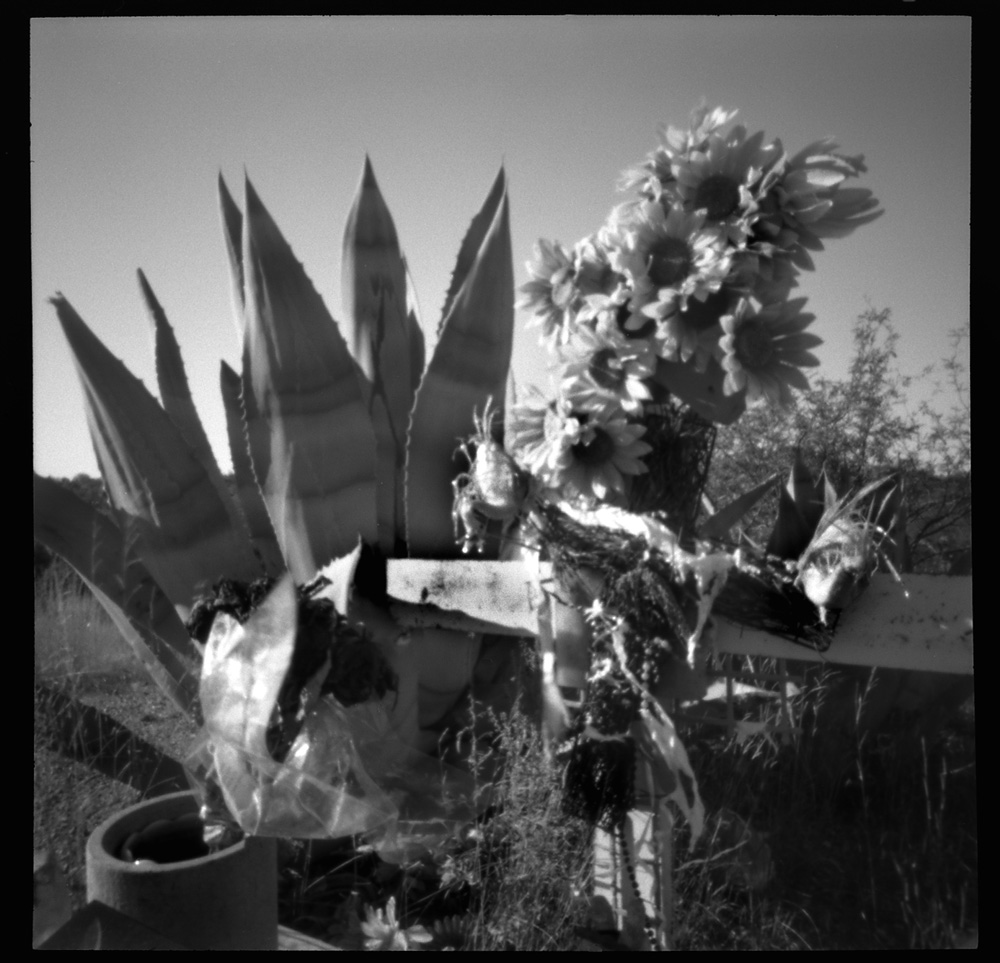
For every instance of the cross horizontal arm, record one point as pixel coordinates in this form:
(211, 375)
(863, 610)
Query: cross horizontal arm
(924, 624)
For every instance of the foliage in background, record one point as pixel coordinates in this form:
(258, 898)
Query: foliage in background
(859, 429)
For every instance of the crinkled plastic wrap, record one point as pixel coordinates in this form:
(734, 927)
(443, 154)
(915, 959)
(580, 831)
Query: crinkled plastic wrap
(346, 773)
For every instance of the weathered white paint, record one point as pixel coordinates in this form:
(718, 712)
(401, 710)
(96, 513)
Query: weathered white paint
(481, 596)
(924, 624)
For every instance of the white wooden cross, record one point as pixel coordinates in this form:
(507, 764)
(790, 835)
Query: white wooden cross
(923, 624)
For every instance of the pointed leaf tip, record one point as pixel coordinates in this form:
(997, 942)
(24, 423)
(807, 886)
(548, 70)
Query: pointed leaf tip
(368, 174)
(473, 241)
(470, 364)
(151, 473)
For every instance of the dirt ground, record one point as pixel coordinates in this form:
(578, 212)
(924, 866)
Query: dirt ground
(72, 798)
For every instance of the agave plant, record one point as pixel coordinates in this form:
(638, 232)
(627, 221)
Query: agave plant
(338, 433)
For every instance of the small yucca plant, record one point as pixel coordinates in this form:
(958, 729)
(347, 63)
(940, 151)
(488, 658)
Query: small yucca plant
(337, 432)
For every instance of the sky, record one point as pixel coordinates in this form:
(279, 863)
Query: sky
(132, 120)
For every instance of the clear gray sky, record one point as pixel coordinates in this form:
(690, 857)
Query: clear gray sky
(132, 120)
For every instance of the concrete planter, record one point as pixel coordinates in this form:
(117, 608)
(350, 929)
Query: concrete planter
(218, 901)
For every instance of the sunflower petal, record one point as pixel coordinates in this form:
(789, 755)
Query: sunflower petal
(791, 376)
(703, 391)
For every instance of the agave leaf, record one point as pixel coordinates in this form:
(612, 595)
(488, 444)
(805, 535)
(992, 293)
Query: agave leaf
(318, 476)
(722, 521)
(390, 474)
(800, 505)
(376, 296)
(232, 228)
(469, 366)
(96, 549)
(701, 390)
(175, 396)
(473, 241)
(374, 293)
(416, 335)
(152, 477)
(254, 509)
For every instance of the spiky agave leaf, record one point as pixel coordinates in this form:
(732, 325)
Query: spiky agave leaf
(96, 549)
(720, 523)
(232, 228)
(319, 483)
(254, 510)
(416, 333)
(175, 396)
(152, 477)
(469, 366)
(378, 331)
(473, 241)
(374, 294)
(800, 505)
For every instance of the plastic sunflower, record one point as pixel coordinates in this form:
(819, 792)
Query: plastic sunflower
(384, 932)
(551, 294)
(726, 180)
(669, 256)
(610, 365)
(764, 349)
(573, 446)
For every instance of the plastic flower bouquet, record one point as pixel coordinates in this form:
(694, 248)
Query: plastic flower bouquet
(681, 298)
(669, 320)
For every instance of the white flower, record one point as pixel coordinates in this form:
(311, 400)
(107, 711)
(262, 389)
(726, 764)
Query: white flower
(384, 932)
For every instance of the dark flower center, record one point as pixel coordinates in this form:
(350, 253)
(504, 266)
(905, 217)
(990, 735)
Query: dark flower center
(623, 317)
(669, 261)
(563, 288)
(702, 315)
(754, 344)
(597, 452)
(719, 195)
(607, 370)
(595, 278)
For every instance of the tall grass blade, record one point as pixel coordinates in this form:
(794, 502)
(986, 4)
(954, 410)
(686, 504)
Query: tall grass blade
(97, 550)
(701, 390)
